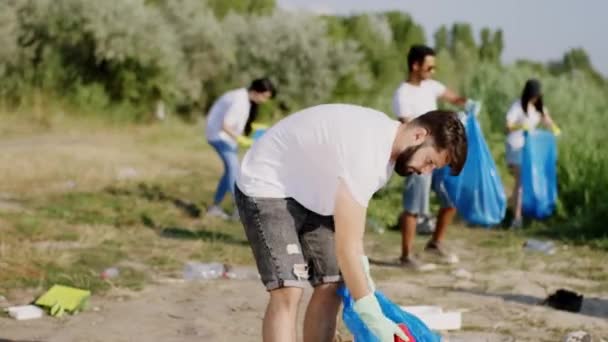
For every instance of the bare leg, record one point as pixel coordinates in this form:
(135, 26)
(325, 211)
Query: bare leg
(445, 217)
(407, 223)
(321, 314)
(517, 193)
(281, 313)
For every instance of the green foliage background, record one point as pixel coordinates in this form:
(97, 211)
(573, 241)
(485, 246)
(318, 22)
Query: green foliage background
(122, 56)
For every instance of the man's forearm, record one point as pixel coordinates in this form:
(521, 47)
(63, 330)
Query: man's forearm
(453, 98)
(349, 260)
(460, 101)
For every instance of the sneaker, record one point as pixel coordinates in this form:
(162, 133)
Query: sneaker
(439, 250)
(413, 264)
(516, 223)
(216, 211)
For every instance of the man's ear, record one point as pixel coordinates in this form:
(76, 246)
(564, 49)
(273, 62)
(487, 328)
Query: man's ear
(420, 134)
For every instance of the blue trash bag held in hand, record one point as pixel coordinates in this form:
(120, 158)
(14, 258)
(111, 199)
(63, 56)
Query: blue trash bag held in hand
(539, 174)
(477, 192)
(417, 328)
(257, 134)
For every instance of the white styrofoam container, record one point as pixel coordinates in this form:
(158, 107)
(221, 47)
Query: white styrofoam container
(25, 312)
(435, 318)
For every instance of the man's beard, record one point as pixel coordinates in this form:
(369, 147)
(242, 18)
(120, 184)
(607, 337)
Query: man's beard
(403, 161)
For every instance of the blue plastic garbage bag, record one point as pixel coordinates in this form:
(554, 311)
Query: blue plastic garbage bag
(417, 328)
(477, 192)
(258, 133)
(539, 174)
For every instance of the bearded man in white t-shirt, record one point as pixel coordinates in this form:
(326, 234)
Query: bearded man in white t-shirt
(302, 194)
(414, 97)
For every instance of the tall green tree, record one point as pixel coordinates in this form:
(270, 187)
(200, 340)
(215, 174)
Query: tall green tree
(223, 7)
(442, 38)
(490, 48)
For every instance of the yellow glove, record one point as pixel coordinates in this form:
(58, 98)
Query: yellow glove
(244, 141)
(257, 125)
(556, 131)
(520, 126)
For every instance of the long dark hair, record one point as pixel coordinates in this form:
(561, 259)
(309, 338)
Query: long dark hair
(532, 89)
(260, 85)
(253, 114)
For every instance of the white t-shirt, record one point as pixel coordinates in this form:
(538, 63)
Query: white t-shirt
(304, 155)
(410, 101)
(516, 116)
(231, 108)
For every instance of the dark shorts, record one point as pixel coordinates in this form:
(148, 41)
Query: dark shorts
(292, 245)
(417, 194)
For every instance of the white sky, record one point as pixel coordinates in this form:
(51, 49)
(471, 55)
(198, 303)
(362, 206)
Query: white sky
(533, 29)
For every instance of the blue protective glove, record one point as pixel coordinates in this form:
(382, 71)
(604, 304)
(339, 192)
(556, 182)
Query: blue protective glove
(370, 281)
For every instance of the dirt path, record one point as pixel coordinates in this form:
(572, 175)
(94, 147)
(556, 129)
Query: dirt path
(230, 310)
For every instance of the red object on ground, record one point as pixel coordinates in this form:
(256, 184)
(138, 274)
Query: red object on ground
(407, 333)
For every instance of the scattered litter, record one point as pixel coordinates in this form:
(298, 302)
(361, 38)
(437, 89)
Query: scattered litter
(462, 273)
(24, 312)
(60, 299)
(452, 259)
(435, 318)
(241, 272)
(126, 173)
(564, 300)
(97, 309)
(110, 273)
(578, 336)
(427, 267)
(375, 226)
(203, 271)
(69, 184)
(547, 247)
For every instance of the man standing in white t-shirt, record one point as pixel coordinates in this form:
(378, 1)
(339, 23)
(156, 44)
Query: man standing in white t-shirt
(414, 97)
(226, 123)
(302, 194)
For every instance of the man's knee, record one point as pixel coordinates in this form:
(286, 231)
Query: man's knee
(286, 298)
(327, 292)
(329, 288)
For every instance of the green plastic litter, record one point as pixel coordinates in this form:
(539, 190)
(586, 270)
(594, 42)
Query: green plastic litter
(59, 299)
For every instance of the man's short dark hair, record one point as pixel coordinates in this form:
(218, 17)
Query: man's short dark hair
(417, 54)
(447, 134)
(262, 85)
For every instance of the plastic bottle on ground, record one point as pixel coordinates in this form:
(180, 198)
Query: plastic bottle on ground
(111, 272)
(241, 272)
(547, 247)
(203, 271)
